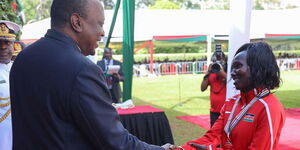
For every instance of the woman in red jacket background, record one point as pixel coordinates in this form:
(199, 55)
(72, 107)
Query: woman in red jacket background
(253, 119)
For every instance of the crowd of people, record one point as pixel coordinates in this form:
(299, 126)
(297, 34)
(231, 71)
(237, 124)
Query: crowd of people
(59, 99)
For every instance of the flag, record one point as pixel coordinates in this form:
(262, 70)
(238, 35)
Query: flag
(249, 117)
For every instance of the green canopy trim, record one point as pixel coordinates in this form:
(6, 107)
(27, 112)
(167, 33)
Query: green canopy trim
(282, 36)
(183, 38)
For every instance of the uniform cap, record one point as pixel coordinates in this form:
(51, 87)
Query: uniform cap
(8, 30)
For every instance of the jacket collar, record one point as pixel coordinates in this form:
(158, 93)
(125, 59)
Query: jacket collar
(246, 97)
(54, 34)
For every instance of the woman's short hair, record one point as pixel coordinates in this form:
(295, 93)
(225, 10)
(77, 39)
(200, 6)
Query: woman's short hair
(264, 71)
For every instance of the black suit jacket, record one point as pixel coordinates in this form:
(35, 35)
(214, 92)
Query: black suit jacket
(60, 101)
(116, 88)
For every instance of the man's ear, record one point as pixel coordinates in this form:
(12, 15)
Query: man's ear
(76, 22)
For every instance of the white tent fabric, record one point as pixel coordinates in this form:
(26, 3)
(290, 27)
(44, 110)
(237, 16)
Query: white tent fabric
(149, 23)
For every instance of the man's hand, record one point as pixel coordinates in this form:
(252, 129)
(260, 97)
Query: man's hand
(169, 146)
(116, 75)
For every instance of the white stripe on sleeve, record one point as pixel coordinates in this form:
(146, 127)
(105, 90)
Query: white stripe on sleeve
(269, 120)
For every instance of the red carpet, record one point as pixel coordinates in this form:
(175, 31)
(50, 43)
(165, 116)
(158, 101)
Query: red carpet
(138, 110)
(290, 136)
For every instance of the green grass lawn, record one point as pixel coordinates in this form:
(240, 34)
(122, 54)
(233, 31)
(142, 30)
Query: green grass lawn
(181, 95)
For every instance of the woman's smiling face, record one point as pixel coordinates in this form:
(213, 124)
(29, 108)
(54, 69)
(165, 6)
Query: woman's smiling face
(240, 72)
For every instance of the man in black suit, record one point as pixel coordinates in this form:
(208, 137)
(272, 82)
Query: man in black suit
(112, 80)
(59, 97)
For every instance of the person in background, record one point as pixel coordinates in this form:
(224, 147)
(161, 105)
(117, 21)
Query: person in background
(112, 80)
(7, 39)
(253, 119)
(215, 77)
(59, 97)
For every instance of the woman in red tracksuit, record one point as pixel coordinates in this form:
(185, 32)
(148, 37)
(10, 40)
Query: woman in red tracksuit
(253, 119)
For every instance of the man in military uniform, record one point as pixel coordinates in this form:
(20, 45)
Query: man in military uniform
(7, 38)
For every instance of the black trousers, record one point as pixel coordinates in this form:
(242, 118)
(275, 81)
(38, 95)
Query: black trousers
(113, 96)
(213, 118)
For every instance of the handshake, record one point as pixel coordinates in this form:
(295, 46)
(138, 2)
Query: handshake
(169, 146)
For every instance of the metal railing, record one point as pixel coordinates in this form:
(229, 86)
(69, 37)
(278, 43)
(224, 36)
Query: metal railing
(171, 68)
(198, 67)
(288, 63)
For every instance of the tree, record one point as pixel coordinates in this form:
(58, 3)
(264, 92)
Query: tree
(6, 11)
(37, 9)
(144, 3)
(162, 4)
(108, 4)
(258, 5)
(40, 9)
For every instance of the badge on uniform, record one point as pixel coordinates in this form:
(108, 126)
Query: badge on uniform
(249, 117)
(2, 81)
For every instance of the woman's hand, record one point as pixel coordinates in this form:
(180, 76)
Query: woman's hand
(198, 146)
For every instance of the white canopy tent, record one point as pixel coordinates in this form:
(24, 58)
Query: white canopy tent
(149, 23)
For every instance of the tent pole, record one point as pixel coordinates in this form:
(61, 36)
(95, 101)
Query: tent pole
(208, 54)
(128, 46)
(240, 11)
(151, 56)
(113, 22)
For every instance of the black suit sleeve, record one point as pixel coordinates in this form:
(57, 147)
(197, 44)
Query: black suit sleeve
(101, 65)
(94, 115)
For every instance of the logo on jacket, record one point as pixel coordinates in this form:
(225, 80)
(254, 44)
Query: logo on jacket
(249, 117)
